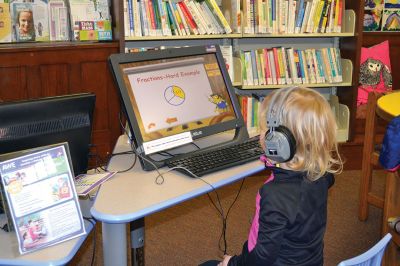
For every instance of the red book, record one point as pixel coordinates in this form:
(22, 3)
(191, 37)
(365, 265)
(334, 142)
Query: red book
(152, 18)
(268, 75)
(277, 70)
(188, 17)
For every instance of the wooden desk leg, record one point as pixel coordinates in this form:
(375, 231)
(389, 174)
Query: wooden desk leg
(114, 244)
(137, 242)
(391, 209)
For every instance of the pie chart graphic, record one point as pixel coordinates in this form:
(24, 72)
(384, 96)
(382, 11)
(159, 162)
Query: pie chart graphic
(174, 95)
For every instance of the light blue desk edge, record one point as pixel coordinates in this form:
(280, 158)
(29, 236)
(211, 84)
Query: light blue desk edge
(118, 219)
(63, 261)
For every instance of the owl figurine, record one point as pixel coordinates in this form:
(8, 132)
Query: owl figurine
(373, 72)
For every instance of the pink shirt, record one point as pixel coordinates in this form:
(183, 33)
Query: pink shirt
(253, 234)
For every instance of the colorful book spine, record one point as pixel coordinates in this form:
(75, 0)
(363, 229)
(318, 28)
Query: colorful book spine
(171, 18)
(339, 64)
(272, 64)
(304, 65)
(254, 67)
(249, 69)
(129, 30)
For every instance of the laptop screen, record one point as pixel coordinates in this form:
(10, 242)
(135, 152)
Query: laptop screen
(175, 96)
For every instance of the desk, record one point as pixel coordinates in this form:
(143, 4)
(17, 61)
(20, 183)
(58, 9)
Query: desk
(59, 254)
(132, 195)
(388, 107)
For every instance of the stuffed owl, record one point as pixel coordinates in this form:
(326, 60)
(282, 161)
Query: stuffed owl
(373, 71)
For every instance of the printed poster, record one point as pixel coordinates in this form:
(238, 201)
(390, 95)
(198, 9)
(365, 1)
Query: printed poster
(41, 196)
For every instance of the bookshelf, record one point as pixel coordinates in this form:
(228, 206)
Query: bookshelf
(348, 40)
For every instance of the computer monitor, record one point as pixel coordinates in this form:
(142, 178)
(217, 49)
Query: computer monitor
(174, 96)
(39, 122)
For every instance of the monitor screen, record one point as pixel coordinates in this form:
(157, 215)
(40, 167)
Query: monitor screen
(174, 96)
(40, 122)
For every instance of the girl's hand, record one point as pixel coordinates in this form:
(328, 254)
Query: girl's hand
(225, 261)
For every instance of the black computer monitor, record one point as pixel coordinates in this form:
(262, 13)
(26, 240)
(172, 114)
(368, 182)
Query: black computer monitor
(39, 122)
(175, 96)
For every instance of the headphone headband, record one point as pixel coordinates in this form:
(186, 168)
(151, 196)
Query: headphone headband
(274, 114)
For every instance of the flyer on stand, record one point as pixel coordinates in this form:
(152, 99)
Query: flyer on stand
(40, 192)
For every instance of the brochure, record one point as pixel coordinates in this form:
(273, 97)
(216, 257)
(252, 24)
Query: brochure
(87, 182)
(40, 193)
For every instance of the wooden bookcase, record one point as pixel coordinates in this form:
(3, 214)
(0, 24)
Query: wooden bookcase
(34, 70)
(42, 69)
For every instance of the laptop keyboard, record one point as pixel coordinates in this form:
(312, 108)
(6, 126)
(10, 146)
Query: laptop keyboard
(202, 163)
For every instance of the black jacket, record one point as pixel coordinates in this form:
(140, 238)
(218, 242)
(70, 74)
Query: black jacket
(292, 221)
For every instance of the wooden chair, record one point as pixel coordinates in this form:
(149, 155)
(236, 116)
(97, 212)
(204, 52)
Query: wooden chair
(370, 160)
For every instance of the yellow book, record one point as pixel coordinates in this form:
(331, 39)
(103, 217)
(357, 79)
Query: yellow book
(317, 15)
(217, 11)
(282, 75)
(5, 23)
(336, 19)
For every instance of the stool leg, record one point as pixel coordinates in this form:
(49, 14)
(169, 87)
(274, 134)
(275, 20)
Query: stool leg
(365, 187)
(366, 170)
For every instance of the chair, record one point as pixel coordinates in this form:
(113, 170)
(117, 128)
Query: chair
(372, 257)
(370, 160)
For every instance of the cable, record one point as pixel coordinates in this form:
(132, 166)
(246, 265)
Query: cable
(219, 209)
(94, 238)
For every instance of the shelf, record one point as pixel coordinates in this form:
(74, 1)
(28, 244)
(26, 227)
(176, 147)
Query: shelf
(347, 70)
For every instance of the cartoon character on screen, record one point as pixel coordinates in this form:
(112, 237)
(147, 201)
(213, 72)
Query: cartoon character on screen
(221, 105)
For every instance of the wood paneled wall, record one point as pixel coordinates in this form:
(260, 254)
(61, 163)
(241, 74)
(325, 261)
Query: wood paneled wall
(40, 70)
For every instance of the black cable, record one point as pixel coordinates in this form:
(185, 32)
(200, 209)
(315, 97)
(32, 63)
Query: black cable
(225, 218)
(94, 239)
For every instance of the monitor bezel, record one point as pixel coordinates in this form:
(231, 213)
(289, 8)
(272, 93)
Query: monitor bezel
(236, 124)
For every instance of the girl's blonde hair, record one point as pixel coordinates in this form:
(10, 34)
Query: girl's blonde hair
(307, 114)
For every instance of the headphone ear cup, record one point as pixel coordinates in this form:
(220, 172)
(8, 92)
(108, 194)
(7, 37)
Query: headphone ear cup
(280, 144)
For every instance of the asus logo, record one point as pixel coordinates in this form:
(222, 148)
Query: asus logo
(197, 133)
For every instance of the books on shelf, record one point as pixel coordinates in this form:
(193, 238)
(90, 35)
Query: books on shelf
(292, 16)
(285, 66)
(38, 188)
(54, 20)
(177, 17)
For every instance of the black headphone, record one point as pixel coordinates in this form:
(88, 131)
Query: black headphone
(280, 143)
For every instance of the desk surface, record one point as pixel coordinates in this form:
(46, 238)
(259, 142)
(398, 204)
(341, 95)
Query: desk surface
(389, 105)
(134, 194)
(59, 254)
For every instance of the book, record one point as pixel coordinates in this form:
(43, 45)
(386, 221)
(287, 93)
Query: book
(58, 20)
(227, 53)
(23, 22)
(128, 18)
(137, 25)
(189, 18)
(85, 183)
(90, 20)
(249, 68)
(40, 192)
(272, 64)
(5, 23)
(217, 11)
(254, 67)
